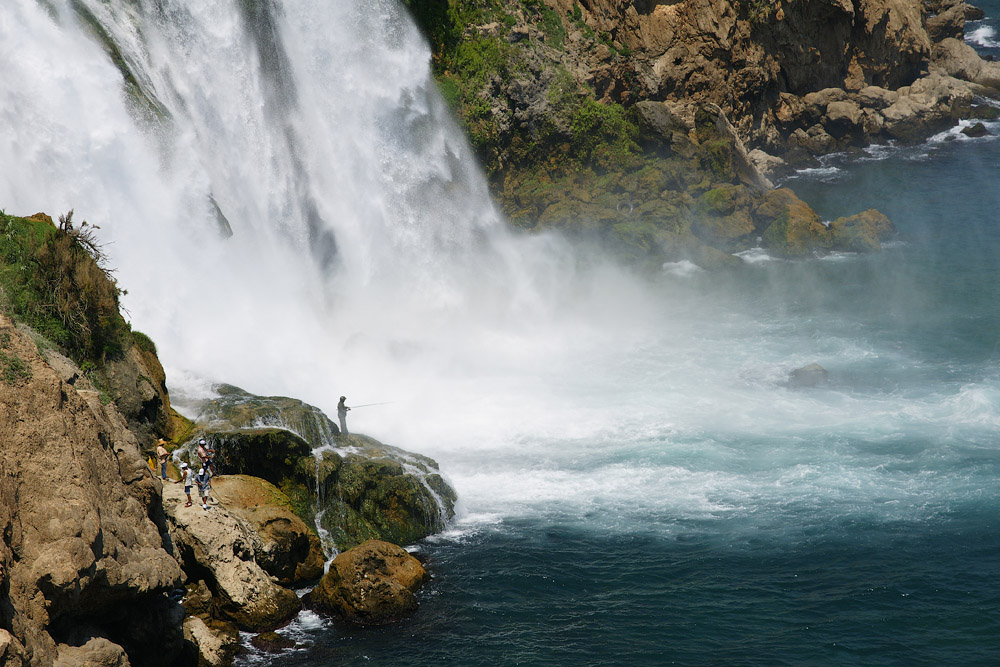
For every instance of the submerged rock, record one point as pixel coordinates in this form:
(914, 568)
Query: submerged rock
(371, 584)
(812, 375)
(271, 642)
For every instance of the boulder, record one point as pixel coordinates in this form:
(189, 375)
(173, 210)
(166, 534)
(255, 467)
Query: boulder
(789, 226)
(11, 650)
(214, 648)
(291, 552)
(742, 167)
(863, 232)
(875, 97)
(271, 642)
(976, 130)
(842, 118)
(371, 584)
(950, 23)
(658, 125)
(98, 652)
(770, 166)
(223, 546)
(955, 58)
(932, 103)
(812, 375)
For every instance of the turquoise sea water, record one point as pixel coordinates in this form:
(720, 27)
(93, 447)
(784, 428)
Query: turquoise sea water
(716, 516)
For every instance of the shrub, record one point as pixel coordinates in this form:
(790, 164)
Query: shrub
(53, 280)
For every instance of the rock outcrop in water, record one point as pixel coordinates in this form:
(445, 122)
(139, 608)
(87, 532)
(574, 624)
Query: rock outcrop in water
(372, 584)
(357, 487)
(606, 117)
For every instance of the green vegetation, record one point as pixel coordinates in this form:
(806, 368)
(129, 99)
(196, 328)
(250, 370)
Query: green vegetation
(51, 278)
(759, 11)
(552, 26)
(603, 135)
(13, 369)
(144, 342)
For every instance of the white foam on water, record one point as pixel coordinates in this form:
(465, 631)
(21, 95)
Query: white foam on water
(756, 256)
(983, 35)
(682, 269)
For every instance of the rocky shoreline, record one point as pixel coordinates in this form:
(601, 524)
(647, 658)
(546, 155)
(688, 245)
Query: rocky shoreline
(104, 563)
(657, 128)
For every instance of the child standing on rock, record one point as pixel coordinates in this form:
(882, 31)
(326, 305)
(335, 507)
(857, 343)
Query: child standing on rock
(204, 481)
(186, 475)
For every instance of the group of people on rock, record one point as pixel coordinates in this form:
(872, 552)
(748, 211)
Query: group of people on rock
(206, 454)
(202, 479)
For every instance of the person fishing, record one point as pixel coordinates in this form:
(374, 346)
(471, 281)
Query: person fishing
(342, 411)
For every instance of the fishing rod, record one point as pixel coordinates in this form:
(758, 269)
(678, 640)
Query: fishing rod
(368, 405)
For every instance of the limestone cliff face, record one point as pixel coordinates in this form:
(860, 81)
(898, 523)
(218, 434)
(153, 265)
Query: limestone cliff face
(741, 54)
(81, 520)
(655, 127)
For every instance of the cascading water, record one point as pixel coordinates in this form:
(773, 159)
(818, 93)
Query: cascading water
(600, 430)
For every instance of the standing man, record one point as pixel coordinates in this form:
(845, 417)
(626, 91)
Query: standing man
(163, 456)
(342, 411)
(207, 455)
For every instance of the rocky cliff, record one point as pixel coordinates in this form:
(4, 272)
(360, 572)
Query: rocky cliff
(84, 551)
(650, 124)
(103, 563)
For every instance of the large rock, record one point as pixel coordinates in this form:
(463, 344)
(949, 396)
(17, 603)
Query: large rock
(863, 232)
(371, 584)
(291, 552)
(364, 488)
(225, 547)
(790, 227)
(97, 652)
(79, 511)
(955, 58)
(949, 23)
(811, 375)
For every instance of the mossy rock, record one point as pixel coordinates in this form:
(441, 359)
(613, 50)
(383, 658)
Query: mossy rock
(791, 228)
(863, 232)
(235, 409)
(361, 488)
(270, 453)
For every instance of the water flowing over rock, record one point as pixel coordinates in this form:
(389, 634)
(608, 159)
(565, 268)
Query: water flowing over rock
(356, 487)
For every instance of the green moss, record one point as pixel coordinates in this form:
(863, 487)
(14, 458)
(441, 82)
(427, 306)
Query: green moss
(717, 158)
(13, 369)
(552, 28)
(144, 342)
(603, 134)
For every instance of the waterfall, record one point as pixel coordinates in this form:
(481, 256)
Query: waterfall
(292, 210)
(363, 236)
